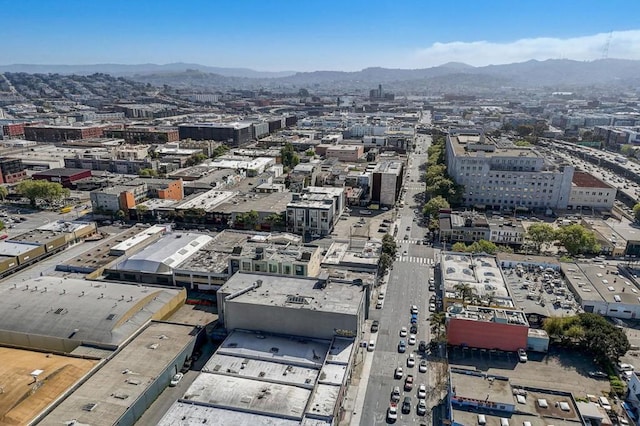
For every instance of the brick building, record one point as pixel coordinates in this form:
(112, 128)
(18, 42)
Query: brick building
(11, 170)
(61, 133)
(65, 177)
(144, 135)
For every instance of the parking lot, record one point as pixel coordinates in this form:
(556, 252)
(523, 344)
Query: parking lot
(365, 226)
(559, 369)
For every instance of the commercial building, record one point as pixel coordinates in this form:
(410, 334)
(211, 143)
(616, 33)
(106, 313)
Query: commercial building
(12, 131)
(474, 393)
(269, 380)
(125, 167)
(497, 174)
(315, 211)
(589, 192)
(12, 170)
(61, 133)
(65, 313)
(600, 289)
(65, 177)
(144, 135)
(299, 306)
(155, 263)
(128, 196)
(232, 134)
(123, 388)
(346, 153)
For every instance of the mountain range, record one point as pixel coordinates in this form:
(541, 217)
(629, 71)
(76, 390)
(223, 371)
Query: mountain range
(533, 73)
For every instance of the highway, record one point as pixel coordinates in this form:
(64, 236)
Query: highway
(407, 285)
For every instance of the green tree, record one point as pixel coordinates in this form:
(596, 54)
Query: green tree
(437, 321)
(483, 246)
(384, 263)
(275, 219)
(465, 293)
(3, 192)
(389, 245)
(147, 173)
(310, 152)
(248, 220)
(524, 130)
(219, 150)
(120, 214)
(459, 247)
(303, 93)
(2, 225)
(41, 190)
(636, 212)
(433, 206)
(141, 211)
(195, 159)
(540, 234)
(577, 239)
(289, 156)
(627, 150)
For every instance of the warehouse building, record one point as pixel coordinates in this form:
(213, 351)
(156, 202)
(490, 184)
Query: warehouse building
(121, 390)
(64, 176)
(66, 313)
(269, 380)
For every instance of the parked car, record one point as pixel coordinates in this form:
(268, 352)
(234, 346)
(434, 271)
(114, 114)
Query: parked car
(408, 383)
(392, 413)
(176, 379)
(371, 346)
(411, 360)
(422, 392)
(414, 309)
(406, 405)
(397, 374)
(402, 346)
(423, 366)
(422, 408)
(379, 304)
(412, 339)
(374, 326)
(403, 332)
(413, 329)
(395, 394)
(422, 346)
(598, 374)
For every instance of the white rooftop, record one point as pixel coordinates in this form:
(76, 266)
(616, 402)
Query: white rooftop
(187, 414)
(207, 200)
(138, 239)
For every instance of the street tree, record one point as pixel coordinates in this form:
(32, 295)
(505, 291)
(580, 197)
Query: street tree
(541, 234)
(290, 158)
(148, 173)
(389, 245)
(219, 150)
(3, 192)
(576, 239)
(41, 190)
(434, 205)
(636, 212)
(384, 263)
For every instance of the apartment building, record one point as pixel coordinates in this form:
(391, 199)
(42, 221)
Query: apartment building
(589, 192)
(496, 174)
(315, 211)
(61, 133)
(386, 181)
(144, 135)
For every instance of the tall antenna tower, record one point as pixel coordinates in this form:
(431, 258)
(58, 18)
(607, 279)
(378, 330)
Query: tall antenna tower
(605, 51)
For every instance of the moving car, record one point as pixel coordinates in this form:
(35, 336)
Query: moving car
(411, 361)
(522, 355)
(398, 373)
(422, 408)
(406, 405)
(422, 392)
(395, 394)
(392, 413)
(408, 382)
(176, 379)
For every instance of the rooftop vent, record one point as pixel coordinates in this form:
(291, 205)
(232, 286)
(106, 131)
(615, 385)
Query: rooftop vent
(297, 299)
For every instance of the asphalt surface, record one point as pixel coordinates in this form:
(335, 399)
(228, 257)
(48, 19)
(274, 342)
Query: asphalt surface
(408, 285)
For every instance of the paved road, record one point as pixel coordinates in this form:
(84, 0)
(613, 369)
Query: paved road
(408, 285)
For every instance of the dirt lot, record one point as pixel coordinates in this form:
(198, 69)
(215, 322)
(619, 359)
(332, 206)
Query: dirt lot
(559, 370)
(21, 399)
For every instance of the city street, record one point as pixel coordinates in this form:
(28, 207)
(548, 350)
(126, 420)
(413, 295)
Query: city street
(407, 285)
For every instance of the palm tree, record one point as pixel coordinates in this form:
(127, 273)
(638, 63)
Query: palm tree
(437, 320)
(466, 292)
(3, 192)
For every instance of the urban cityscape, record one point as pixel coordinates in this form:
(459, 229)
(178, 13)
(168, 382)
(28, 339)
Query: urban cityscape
(444, 237)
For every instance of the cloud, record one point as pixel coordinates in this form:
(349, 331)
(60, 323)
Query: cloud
(621, 45)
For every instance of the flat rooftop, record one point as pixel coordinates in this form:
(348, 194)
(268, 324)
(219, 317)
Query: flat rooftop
(275, 202)
(59, 172)
(601, 282)
(347, 253)
(296, 292)
(38, 236)
(126, 377)
(22, 400)
(480, 272)
(587, 180)
(184, 413)
(207, 200)
(249, 395)
(140, 237)
(15, 248)
(296, 351)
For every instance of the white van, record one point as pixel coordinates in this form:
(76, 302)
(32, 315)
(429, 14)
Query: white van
(604, 402)
(504, 422)
(482, 420)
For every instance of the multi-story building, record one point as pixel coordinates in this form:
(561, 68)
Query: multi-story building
(126, 197)
(387, 182)
(12, 170)
(346, 153)
(61, 133)
(131, 167)
(232, 134)
(314, 212)
(144, 135)
(12, 131)
(497, 174)
(589, 192)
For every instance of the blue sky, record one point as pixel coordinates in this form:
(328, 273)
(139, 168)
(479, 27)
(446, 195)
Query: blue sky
(307, 35)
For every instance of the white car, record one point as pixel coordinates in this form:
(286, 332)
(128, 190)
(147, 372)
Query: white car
(432, 307)
(414, 309)
(423, 366)
(371, 346)
(381, 295)
(398, 373)
(422, 407)
(412, 339)
(176, 379)
(411, 360)
(422, 392)
(522, 355)
(403, 332)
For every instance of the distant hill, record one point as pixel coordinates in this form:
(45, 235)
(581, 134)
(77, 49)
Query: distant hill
(531, 74)
(128, 70)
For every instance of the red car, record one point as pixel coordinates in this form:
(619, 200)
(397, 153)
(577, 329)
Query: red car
(408, 383)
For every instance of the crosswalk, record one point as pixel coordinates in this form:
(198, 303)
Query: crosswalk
(416, 259)
(409, 241)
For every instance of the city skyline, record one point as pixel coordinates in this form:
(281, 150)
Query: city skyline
(288, 36)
